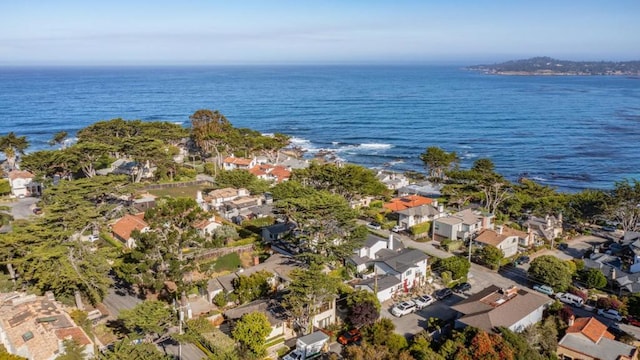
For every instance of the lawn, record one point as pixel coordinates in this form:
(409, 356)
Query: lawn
(229, 262)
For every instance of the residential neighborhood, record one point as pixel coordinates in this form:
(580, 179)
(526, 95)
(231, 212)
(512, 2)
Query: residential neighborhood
(268, 256)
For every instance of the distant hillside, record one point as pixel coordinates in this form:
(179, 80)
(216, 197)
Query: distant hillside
(549, 66)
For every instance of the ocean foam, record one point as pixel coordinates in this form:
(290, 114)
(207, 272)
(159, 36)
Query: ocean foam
(375, 146)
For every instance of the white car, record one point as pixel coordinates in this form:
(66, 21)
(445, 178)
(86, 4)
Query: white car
(404, 308)
(397, 228)
(610, 314)
(423, 301)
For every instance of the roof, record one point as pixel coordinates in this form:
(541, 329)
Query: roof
(493, 237)
(281, 173)
(35, 325)
(590, 337)
(280, 228)
(202, 224)
(450, 220)
(404, 260)
(313, 338)
(494, 307)
(127, 224)
(383, 282)
(20, 174)
(606, 349)
(261, 169)
(424, 188)
(237, 161)
(223, 193)
(422, 210)
(274, 311)
(358, 260)
(468, 216)
(407, 202)
(371, 240)
(590, 327)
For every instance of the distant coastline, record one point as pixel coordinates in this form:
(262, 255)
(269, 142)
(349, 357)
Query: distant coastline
(546, 66)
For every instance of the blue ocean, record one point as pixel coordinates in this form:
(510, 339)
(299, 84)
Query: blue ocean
(566, 131)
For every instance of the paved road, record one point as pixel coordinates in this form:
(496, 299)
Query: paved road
(118, 300)
(189, 351)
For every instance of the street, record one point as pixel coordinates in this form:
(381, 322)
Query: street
(22, 208)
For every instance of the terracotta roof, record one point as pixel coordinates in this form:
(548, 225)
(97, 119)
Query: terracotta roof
(492, 237)
(75, 333)
(237, 161)
(261, 169)
(125, 226)
(590, 327)
(20, 174)
(407, 202)
(281, 173)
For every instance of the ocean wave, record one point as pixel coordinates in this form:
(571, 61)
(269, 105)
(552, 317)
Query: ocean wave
(375, 146)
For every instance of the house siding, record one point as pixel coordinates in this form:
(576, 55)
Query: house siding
(532, 318)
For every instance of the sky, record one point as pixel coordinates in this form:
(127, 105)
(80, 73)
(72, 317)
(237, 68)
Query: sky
(211, 32)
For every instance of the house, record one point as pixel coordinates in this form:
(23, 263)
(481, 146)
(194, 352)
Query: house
(240, 208)
(630, 254)
(392, 180)
(277, 231)
(129, 167)
(124, 227)
(513, 308)
(205, 227)
(425, 188)
(20, 182)
(216, 198)
(364, 256)
(268, 172)
(588, 339)
(462, 225)
(235, 163)
(291, 163)
(611, 267)
(278, 317)
(419, 215)
(504, 238)
(395, 272)
(144, 202)
(406, 202)
(35, 327)
(547, 228)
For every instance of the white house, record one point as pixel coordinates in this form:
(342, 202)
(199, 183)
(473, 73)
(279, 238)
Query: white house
(233, 163)
(216, 198)
(392, 180)
(396, 272)
(513, 308)
(420, 214)
(547, 228)
(504, 238)
(365, 255)
(19, 181)
(462, 225)
(206, 227)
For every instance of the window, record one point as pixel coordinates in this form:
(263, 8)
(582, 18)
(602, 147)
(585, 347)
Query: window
(514, 240)
(408, 273)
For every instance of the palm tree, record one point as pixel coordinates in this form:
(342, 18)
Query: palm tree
(12, 145)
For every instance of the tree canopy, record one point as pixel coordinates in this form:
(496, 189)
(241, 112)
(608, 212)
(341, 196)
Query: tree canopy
(551, 271)
(12, 145)
(150, 317)
(437, 161)
(251, 332)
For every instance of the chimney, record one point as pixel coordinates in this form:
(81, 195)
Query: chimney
(613, 273)
(499, 229)
(256, 260)
(560, 218)
(390, 242)
(571, 319)
(440, 208)
(548, 218)
(435, 203)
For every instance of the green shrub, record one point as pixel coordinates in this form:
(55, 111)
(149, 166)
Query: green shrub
(420, 229)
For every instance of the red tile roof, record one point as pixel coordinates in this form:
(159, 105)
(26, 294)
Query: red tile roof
(126, 225)
(491, 237)
(20, 174)
(237, 161)
(261, 169)
(590, 327)
(75, 333)
(406, 202)
(281, 173)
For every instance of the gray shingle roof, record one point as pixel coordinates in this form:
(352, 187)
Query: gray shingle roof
(422, 210)
(384, 282)
(404, 260)
(605, 349)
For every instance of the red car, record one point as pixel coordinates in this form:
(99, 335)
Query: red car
(632, 321)
(350, 336)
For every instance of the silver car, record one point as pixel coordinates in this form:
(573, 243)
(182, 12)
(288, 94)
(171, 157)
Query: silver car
(404, 308)
(423, 301)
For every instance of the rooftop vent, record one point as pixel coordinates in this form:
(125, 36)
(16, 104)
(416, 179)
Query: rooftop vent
(27, 336)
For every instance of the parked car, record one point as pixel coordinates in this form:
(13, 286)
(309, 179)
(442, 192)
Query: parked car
(522, 260)
(570, 299)
(37, 211)
(349, 337)
(93, 238)
(443, 293)
(423, 301)
(609, 228)
(563, 246)
(374, 225)
(630, 320)
(397, 228)
(610, 314)
(462, 287)
(403, 308)
(545, 289)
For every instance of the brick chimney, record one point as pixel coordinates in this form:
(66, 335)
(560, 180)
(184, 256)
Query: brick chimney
(256, 260)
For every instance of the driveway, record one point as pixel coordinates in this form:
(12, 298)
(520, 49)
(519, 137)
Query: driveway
(413, 323)
(22, 208)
